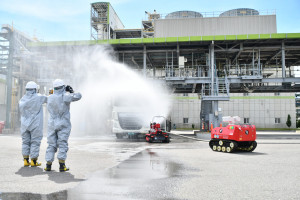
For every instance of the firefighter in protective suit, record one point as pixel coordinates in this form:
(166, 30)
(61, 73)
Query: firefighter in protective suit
(31, 109)
(59, 125)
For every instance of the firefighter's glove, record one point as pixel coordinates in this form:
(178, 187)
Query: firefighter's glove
(69, 89)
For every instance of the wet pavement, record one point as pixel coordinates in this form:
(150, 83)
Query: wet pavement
(146, 175)
(182, 169)
(128, 180)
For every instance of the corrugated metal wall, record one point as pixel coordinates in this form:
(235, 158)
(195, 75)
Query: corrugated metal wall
(262, 24)
(114, 20)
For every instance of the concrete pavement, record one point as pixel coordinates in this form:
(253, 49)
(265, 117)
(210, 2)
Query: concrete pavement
(106, 168)
(86, 155)
(259, 134)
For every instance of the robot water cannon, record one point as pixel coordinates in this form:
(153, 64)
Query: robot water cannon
(157, 130)
(234, 136)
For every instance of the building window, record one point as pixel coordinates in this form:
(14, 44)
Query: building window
(277, 120)
(185, 120)
(297, 113)
(246, 120)
(246, 94)
(297, 103)
(185, 94)
(277, 94)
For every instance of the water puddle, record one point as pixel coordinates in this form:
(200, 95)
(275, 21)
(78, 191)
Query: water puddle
(131, 179)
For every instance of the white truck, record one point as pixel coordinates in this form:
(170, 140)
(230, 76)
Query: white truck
(128, 122)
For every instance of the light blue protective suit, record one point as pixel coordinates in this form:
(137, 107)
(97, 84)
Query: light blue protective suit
(31, 109)
(59, 125)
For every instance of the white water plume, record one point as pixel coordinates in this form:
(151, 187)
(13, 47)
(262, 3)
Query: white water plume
(101, 80)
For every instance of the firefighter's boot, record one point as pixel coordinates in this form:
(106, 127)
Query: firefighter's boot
(62, 166)
(34, 162)
(26, 161)
(48, 166)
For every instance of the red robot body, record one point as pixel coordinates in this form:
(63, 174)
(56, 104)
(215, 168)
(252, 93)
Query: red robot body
(156, 133)
(233, 137)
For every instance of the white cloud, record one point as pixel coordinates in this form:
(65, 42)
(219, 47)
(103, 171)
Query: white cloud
(51, 19)
(55, 11)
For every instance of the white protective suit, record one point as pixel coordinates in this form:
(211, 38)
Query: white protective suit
(31, 109)
(59, 125)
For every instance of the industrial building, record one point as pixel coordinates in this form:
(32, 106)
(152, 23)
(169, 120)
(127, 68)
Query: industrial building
(265, 110)
(215, 64)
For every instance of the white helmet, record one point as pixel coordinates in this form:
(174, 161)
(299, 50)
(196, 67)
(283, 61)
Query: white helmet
(58, 83)
(31, 85)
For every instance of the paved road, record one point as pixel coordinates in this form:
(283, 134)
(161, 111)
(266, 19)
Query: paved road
(103, 168)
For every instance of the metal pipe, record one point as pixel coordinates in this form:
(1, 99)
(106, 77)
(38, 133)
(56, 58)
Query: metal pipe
(192, 59)
(9, 79)
(259, 72)
(172, 65)
(283, 59)
(178, 54)
(145, 61)
(212, 59)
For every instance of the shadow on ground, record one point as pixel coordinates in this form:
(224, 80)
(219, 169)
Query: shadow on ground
(57, 177)
(249, 153)
(30, 171)
(29, 196)
(62, 177)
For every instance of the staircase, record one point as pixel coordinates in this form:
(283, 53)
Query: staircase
(220, 92)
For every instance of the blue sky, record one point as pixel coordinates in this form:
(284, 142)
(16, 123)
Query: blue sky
(64, 20)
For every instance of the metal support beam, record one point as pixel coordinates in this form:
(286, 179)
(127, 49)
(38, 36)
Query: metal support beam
(233, 47)
(238, 54)
(134, 62)
(258, 58)
(178, 80)
(215, 105)
(295, 63)
(145, 61)
(221, 48)
(150, 60)
(283, 59)
(212, 63)
(274, 56)
(9, 79)
(178, 53)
